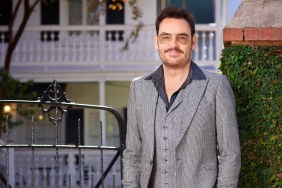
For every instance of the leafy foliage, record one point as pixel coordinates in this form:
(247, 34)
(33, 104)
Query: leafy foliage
(255, 74)
(13, 89)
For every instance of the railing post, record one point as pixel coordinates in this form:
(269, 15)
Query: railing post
(102, 34)
(71, 167)
(102, 101)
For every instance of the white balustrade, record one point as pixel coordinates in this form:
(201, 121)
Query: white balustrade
(97, 45)
(211, 49)
(69, 172)
(196, 52)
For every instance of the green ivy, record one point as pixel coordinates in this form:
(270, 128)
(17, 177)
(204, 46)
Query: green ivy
(255, 74)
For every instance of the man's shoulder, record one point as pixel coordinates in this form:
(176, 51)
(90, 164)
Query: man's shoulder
(200, 73)
(141, 79)
(216, 79)
(213, 76)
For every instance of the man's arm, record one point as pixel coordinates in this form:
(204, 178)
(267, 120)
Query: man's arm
(227, 136)
(131, 155)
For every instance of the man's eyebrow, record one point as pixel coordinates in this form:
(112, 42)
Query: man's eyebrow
(186, 34)
(164, 33)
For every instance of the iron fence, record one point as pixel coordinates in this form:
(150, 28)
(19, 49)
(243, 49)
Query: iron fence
(60, 165)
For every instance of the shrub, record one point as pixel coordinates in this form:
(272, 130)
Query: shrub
(255, 74)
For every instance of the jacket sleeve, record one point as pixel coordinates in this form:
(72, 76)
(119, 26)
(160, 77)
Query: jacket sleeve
(131, 155)
(227, 136)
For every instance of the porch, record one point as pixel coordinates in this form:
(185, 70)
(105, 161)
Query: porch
(48, 52)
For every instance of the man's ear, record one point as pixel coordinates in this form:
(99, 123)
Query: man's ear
(194, 42)
(156, 41)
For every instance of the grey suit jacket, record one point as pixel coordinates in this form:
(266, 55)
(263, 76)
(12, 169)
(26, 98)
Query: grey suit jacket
(207, 149)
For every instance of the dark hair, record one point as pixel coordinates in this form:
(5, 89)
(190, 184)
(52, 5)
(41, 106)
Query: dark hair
(174, 12)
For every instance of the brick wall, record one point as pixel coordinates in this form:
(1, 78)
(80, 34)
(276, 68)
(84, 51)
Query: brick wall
(255, 23)
(252, 36)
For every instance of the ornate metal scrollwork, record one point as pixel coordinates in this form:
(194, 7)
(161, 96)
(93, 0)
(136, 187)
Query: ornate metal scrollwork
(54, 96)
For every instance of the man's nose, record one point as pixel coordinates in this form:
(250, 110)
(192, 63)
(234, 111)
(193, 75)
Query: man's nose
(173, 41)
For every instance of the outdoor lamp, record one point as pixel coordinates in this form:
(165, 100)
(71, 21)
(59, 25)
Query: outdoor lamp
(7, 108)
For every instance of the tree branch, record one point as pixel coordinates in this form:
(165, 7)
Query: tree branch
(34, 5)
(26, 5)
(27, 12)
(11, 24)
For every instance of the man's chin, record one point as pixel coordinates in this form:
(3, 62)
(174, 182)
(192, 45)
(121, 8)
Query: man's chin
(174, 65)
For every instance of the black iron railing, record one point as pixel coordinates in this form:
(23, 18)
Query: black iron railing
(55, 106)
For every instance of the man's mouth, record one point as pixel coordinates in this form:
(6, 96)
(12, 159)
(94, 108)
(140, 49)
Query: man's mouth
(173, 51)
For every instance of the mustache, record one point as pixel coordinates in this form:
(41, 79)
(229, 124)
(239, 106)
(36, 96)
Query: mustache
(174, 48)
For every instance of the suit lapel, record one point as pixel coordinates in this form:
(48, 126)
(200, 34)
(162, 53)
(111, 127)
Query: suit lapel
(176, 103)
(149, 110)
(192, 97)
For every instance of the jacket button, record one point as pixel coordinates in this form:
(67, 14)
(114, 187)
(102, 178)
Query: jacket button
(151, 163)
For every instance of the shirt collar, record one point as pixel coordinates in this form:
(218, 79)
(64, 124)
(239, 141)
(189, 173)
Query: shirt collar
(195, 73)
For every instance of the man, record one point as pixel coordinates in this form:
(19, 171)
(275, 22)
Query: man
(182, 127)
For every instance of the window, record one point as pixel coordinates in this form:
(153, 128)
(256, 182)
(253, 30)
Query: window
(5, 17)
(204, 10)
(83, 12)
(50, 19)
(114, 16)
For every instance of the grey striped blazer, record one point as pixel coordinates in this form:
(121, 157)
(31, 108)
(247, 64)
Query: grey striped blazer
(207, 127)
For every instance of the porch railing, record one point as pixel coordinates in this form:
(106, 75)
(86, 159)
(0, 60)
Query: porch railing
(97, 47)
(60, 165)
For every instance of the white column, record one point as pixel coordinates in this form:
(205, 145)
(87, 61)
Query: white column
(225, 4)
(219, 27)
(102, 102)
(64, 21)
(163, 4)
(102, 35)
(84, 12)
(64, 12)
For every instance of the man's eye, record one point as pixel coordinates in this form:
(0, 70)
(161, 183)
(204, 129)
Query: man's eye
(166, 37)
(183, 37)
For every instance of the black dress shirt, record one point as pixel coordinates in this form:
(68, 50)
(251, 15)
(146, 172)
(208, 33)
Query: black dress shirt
(158, 79)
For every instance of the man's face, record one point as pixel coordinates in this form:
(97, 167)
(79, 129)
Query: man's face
(174, 42)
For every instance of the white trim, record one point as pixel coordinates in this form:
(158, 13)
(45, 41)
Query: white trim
(102, 102)
(218, 21)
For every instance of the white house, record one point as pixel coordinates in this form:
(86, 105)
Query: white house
(80, 46)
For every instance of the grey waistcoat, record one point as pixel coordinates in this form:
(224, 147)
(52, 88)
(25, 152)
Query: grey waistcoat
(164, 169)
